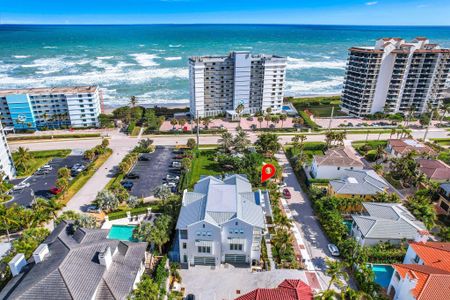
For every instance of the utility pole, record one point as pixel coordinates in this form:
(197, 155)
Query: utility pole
(428, 126)
(198, 130)
(331, 118)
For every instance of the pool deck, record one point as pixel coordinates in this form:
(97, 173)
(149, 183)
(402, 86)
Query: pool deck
(134, 220)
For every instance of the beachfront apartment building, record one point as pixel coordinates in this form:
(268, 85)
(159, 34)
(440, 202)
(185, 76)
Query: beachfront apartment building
(219, 84)
(6, 161)
(222, 221)
(38, 108)
(395, 76)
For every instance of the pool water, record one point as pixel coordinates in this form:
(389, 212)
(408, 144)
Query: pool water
(383, 274)
(285, 107)
(121, 232)
(348, 223)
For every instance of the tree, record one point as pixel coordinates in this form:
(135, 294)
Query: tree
(282, 221)
(106, 201)
(145, 144)
(174, 272)
(268, 143)
(162, 192)
(206, 122)
(385, 197)
(182, 122)
(8, 218)
(191, 143)
(241, 141)
(89, 155)
(260, 120)
(62, 184)
(174, 123)
(63, 173)
(239, 109)
(226, 141)
(132, 201)
(283, 118)
(186, 163)
(422, 209)
(133, 101)
(267, 118)
(158, 233)
(30, 240)
(22, 158)
(146, 289)
(393, 132)
(275, 120)
(424, 120)
(85, 221)
(67, 215)
(105, 143)
(336, 270)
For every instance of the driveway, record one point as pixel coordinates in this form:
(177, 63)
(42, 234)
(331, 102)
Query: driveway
(228, 283)
(151, 172)
(41, 184)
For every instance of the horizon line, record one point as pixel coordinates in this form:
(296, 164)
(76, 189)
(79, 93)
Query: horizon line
(185, 24)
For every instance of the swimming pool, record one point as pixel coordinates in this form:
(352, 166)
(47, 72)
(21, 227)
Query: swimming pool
(286, 107)
(383, 274)
(121, 232)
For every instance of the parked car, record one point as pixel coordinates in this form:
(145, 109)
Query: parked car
(282, 185)
(127, 184)
(42, 172)
(55, 191)
(170, 184)
(334, 250)
(172, 177)
(190, 297)
(250, 119)
(176, 164)
(21, 186)
(47, 167)
(132, 176)
(286, 194)
(93, 209)
(143, 158)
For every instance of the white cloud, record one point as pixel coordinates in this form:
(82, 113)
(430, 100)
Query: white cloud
(371, 3)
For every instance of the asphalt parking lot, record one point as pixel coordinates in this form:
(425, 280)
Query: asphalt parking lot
(151, 172)
(41, 184)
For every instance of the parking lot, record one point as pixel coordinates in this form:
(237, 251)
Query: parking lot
(41, 184)
(151, 172)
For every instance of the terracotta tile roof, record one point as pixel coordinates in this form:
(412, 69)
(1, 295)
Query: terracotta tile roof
(289, 289)
(434, 169)
(404, 146)
(339, 157)
(433, 254)
(428, 278)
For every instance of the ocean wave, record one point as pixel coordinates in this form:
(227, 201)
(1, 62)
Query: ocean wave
(176, 46)
(173, 58)
(105, 57)
(300, 63)
(54, 64)
(21, 56)
(50, 47)
(333, 85)
(145, 59)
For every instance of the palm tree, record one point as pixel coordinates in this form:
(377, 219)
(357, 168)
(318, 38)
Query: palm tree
(133, 101)
(174, 272)
(174, 123)
(22, 158)
(239, 109)
(45, 117)
(268, 118)
(336, 270)
(393, 131)
(241, 141)
(226, 141)
(206, 122)
(8, 219)
(283, 222)
(283, 118)
(275, 120)
(260, 120)
(182, 122)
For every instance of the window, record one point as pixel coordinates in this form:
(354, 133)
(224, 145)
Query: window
(338, 168)
(204, 249)
(184, 245)
(236, 247)
(397, 276)
(185, 258)
(417, 259)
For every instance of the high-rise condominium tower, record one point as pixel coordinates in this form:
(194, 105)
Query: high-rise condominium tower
(395, 76)
(220, 84)
(6, 161)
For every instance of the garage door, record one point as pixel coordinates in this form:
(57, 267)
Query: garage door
(235, 258)
(206, 261)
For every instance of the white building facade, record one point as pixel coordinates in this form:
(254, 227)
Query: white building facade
(221, 83)
(221, 222)
(38, 108)
(395, 76)
(6, 161)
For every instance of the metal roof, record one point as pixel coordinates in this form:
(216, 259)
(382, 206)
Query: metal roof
(359, 182)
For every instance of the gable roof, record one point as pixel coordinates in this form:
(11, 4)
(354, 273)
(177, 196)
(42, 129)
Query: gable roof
(432, 283)
(404, 146)
(434, 169)
(435, 254)
(359, 182)
(387, 221)
(218, 201)
(71, 270)
(339, 157)
(289, 289)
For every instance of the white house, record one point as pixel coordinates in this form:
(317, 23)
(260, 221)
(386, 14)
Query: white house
(333, 164)
(386, 222)
(424, 274)
(221, 222)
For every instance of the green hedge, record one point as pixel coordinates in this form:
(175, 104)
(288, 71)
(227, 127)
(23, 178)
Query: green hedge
(135, 211)
(308, 122)
(56, 136)
(202, 131)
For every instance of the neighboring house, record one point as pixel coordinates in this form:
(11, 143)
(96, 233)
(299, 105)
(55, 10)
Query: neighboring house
(399, 147)
(386, 222)
(221, 222)
(332, 165)
(435, 170)
(289, 289)
(357, 183)
(444, 199)
(83, 265)
(424, 274)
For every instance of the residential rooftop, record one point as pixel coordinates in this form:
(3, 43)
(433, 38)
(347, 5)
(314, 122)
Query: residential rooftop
(217, 58)
(434, 169)
(403, 146)
(289, 289)
(339, 157)
(50, 90)
(359, 182)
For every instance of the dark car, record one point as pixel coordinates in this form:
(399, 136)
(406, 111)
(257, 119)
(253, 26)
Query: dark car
(127, 184)
(55, 190)
(286, 194)
(132, 176)
(250, 119)
(190, 297)
(143, 158)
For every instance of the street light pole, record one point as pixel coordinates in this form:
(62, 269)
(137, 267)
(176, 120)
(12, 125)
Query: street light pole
(198, 129)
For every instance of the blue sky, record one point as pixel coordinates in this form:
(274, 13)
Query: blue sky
(353, 12)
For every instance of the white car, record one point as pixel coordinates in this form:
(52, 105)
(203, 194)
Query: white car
(170, 184)
(47, 167)
(172, 177)
(334, 250)
(282, 185)
(21, 186)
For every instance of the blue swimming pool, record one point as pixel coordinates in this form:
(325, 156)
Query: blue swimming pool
(286, 107)
(383, 274)
(121, 232)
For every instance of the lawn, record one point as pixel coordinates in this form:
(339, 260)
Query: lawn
(53, 136)
(204, 164)
(319, 106)
(135, 131)
(310, 149)
(39, 159)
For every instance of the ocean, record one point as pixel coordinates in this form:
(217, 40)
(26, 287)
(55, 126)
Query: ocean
(150, 61)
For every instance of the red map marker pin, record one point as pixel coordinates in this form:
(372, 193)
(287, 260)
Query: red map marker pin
(267, 171)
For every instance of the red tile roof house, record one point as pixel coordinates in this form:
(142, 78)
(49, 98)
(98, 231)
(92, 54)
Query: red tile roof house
(399, 147)
(435, 170)
(289, 289)
(424, 274)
